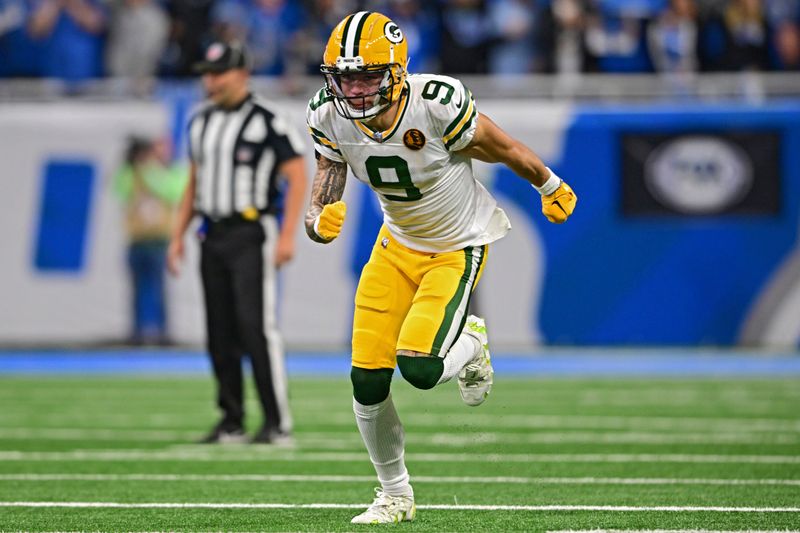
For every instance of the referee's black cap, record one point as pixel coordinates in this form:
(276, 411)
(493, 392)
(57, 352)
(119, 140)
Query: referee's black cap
(221, 56)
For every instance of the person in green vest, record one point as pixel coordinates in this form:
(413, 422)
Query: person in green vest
(149, 185)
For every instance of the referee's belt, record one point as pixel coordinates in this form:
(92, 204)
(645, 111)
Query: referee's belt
(247, 216)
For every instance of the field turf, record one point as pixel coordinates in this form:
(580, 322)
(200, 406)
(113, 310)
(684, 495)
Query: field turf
(116, 453)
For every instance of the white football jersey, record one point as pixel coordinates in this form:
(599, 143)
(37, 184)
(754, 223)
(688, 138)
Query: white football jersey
(430, 198)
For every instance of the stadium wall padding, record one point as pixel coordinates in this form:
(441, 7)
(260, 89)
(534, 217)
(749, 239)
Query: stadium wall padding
(630, 267)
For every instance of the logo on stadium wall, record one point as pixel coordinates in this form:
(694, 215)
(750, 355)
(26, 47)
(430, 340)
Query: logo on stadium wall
(414, 139)
(698, 174)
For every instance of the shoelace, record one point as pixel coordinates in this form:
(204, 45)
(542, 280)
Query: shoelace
(384, 502)
(473, 376)
(473, 367)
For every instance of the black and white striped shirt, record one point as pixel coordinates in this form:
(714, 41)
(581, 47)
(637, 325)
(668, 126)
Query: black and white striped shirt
(237, 153)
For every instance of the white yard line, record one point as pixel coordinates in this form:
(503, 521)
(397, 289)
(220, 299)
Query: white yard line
(338, 441)
(638, 423)
(242, 454)
(455, 419)
(442, 507)
(60, 433)
(417, 479)
(600, 437)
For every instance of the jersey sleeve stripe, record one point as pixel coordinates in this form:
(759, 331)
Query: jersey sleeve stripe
(314, 131)
(322, 141)
(464, 112)
(463, 130)
(466, 121)
(326, 145)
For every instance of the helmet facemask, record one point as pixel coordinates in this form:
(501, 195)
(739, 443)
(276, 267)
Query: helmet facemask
(364, 106)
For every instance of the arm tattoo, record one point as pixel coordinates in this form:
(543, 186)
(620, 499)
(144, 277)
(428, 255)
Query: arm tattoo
(328, 187)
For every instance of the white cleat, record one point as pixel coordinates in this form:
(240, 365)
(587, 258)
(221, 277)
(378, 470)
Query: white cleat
(386, 509)
(476, 378)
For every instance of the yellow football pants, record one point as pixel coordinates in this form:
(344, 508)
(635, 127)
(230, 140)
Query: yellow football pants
(410, 300)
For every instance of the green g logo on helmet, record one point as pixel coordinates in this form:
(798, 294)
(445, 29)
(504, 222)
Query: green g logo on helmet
(392, 32)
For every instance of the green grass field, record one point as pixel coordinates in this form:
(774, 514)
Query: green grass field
(568, 454)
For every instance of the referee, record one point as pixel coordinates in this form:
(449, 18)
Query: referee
(241, 152)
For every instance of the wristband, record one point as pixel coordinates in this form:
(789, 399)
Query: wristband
(549, 186)
(316, 227)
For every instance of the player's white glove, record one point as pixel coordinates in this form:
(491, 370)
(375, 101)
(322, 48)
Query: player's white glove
(329, 223)
(558, 199)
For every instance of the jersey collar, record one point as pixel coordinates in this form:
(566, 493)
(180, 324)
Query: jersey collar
(382, 136)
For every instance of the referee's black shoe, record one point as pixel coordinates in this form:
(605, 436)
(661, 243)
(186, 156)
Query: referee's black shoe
(224, 433)
(274, 436)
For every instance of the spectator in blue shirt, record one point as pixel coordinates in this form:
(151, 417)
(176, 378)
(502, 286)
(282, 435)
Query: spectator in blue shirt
(323, 16)
(271, 29)
(615, 41)
(422, 33)
(513, 48)
(672, 38)
(72, 36)
(465, 36)
(20, 55)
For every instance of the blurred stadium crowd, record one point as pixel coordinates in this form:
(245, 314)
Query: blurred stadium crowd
(75, 40)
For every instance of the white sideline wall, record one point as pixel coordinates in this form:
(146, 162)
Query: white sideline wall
(316, 288)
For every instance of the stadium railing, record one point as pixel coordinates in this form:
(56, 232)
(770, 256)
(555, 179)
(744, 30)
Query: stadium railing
(748, 86)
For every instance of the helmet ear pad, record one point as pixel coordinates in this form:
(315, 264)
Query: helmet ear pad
(397, 73)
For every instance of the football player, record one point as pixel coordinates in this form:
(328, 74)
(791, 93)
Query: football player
(411, 139)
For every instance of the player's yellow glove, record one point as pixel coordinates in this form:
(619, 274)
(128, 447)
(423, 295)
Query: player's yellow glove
(558, 199)
(557, 207)
(329, 223)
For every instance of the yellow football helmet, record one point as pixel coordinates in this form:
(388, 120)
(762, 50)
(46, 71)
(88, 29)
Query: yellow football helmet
(366, 45)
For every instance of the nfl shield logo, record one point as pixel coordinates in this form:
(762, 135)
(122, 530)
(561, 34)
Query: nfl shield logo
(214, 52)
(243, 155)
